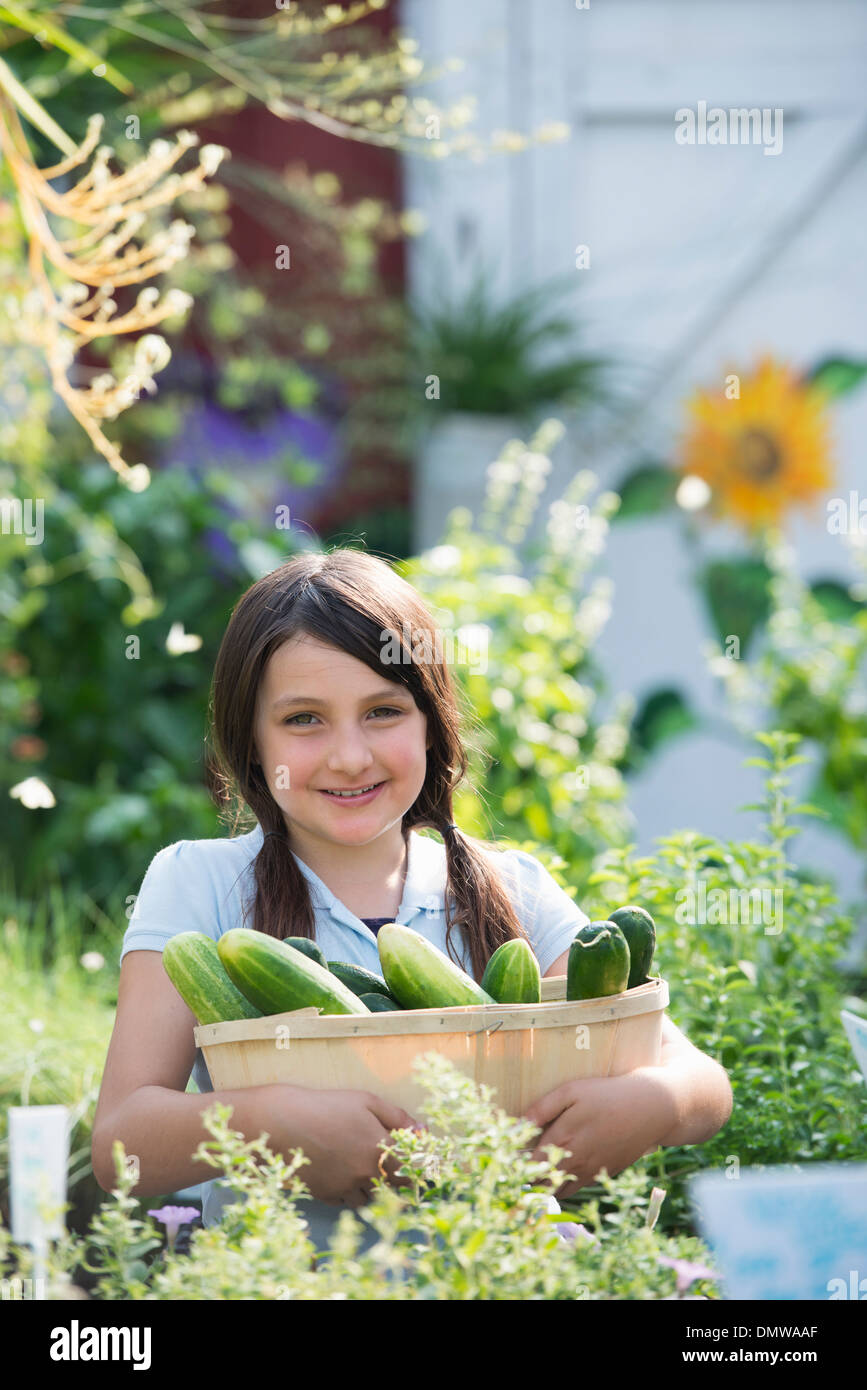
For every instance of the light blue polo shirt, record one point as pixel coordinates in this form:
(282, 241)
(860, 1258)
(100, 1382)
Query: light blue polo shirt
(203, 885)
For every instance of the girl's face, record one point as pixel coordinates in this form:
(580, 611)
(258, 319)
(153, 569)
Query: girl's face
(325, 722)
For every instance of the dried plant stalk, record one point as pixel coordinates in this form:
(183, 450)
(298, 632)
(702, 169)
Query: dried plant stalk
(112, 209)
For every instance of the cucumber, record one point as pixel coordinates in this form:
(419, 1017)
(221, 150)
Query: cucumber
(639, 929)
(309, 948)
(598, 962)
(192, 963)
(380, 1003)
(359, 980)
(420, 976)
(277, 978)
(512, 975)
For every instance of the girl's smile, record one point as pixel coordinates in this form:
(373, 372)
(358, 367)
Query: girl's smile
(355, 798)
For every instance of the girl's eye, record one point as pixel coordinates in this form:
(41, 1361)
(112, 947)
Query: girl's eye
(292, 717)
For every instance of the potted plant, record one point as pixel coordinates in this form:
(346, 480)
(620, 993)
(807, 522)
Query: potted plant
(483, 372)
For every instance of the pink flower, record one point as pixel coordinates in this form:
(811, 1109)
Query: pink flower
(569, 1231)
(173, 1218)
(686, 1271)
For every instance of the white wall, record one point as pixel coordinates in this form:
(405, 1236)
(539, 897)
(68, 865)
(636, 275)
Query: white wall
(700, 256)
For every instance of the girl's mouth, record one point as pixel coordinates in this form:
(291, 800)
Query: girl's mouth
(356, 798)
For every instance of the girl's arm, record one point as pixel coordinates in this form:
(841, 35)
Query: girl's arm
(142, 1100)
(699, 1087)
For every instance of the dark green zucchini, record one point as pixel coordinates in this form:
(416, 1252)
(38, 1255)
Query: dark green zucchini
(639, 929)
(308, 947)
(598, 962)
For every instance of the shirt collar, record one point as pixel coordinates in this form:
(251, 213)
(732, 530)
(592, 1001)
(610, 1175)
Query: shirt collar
(422, 889)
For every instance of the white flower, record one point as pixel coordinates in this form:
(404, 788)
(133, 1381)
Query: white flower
(147, 298)
(443, 558)
(138, 478)
(211, 156)
(36, 1024)
(178, 300)
(692, 493)
(152, 354)
(33, 793)
(552, 130)
(179, 641)
(92, 960)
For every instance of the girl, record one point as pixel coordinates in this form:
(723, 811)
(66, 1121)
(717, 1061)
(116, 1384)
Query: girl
(343, 742)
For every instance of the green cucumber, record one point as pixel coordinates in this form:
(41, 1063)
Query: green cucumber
(512, 975)
(420, 976)
(598, 962)
(192, 963)
(639, 929)
(359, 980)
(380, 1003)
(277, 978)
(309, 948)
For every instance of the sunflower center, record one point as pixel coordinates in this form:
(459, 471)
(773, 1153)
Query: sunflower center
(757, 456)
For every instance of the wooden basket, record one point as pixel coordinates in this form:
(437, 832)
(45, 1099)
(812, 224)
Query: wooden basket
(521, 1050)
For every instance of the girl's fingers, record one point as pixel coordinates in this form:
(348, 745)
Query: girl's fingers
(548, 1107)
(558, 1133)
(570, 1188)
(391, 1116)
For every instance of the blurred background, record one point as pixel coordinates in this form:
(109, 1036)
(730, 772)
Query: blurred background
(492, 291)
(438, 227)
(680, 263)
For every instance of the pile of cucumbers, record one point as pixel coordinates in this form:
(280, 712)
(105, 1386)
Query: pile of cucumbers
(247, 974)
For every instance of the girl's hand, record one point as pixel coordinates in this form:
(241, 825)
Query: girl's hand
(605, 1122)
(339, 1132)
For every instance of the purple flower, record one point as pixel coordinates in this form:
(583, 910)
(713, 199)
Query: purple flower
(569, 1231)
(686, 1271)
(261, 454)
(173, 1218)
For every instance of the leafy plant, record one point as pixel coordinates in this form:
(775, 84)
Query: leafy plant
(522, 635)
(808, 677)
(750, 947)
(470, 1221)
(491, 358)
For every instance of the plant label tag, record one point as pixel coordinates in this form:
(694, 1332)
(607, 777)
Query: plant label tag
(856, 1031)
(38, 1158)
(785, 1233)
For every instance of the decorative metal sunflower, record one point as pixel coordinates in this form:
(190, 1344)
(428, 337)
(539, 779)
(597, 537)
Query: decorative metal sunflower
(761, 443)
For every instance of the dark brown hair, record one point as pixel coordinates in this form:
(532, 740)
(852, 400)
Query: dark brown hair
(348, 599)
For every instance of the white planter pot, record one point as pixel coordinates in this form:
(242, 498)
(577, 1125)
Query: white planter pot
(451, 469)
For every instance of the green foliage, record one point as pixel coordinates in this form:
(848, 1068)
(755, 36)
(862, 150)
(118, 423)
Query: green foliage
(120, 711)
(662, 715)
(736, 593)
(492, 358)
(649, 488)
(523, 642)
(836, 376)
(809, 677)
(470, 1221)
(754, 982)
(58, 990)
(193, 65)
